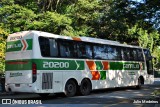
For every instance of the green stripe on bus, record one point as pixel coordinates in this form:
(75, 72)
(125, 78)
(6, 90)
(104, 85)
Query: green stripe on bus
(18, 65)
(47, 64)
(44, 64)
(53, 64)
(29, 42)
(99, 65)
(126, 66)
(103, 75)
(116, 65)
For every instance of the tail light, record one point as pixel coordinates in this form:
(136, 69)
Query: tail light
(34, 72)
(34, 69)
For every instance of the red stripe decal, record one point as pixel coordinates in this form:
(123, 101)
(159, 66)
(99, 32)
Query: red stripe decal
(24, 45)
(18, 62)
(105, 65)
(91, 65)
(95, 75)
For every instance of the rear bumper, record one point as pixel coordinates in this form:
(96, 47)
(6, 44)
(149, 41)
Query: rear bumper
(26, 88)
(21, 88)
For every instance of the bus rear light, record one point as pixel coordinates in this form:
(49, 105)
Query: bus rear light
(34, 69)
(34, 72)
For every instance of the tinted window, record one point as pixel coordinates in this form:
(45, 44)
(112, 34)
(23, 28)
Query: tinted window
(125, 54)
(53, 48)
(84, 50)
(114, 53)
(140, 55)
(67, 49)
(134, 54)
(70, 49)
(107, 52)
(100, 52)
(44, 46)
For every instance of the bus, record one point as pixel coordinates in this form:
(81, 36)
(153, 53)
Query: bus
(44, 63)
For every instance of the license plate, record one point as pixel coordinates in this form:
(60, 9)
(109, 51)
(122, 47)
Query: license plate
(17, 85)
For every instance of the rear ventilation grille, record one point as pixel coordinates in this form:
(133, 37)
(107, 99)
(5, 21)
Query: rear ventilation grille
(47, 80)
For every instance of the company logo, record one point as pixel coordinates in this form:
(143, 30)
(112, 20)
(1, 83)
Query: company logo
(13, 101)
(6, 101)
(15, 74)
(131, 66)
(15, 38)
(14, 46)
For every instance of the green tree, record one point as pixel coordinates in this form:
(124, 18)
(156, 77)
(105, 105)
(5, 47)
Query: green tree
(156, 53)
(149, 10)
(51, 22)
(85, 15)
(144, 38)
(3, 36)
(15, 18)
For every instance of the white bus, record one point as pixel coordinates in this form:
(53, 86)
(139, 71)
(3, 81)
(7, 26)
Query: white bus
(44, 63)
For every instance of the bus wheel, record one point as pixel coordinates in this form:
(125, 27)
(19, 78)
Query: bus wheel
(139, 84)
(43, 95)
(70, 88)
(85, 87)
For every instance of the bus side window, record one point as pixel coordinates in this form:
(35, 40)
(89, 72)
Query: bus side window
(119, 54)
(114, 53)
(84, 50)
(53, 48)
(67, 49)
(88, 51)
(81, 50)
(44, 46)
(100, 51)
(131, 54)
(125, 54)
(135, 55)
(140, 55)
(128, 54)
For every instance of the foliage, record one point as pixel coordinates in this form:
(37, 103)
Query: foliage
(156, 93)
(3, 35)
(51, 22)
(15, 18)
(156, 53)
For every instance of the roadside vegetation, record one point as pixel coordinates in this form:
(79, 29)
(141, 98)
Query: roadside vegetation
(156, 93)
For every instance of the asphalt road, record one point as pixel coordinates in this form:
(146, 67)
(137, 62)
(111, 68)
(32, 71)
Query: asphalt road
(107, 98)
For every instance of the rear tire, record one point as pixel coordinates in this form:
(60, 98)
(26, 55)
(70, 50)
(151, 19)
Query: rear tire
(70, 88)
(85, 87)
(139, 86)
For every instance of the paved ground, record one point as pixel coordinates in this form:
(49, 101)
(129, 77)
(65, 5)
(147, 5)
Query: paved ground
(106, 98)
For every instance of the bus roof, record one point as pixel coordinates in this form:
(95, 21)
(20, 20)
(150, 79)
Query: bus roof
(85, 39)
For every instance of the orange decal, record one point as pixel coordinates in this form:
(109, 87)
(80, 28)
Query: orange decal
(141, 66)
(76, 39)
(95, 75)
(91, 65)
(105, 65)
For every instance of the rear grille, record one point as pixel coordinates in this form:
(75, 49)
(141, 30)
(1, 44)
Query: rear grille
(47, 80)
